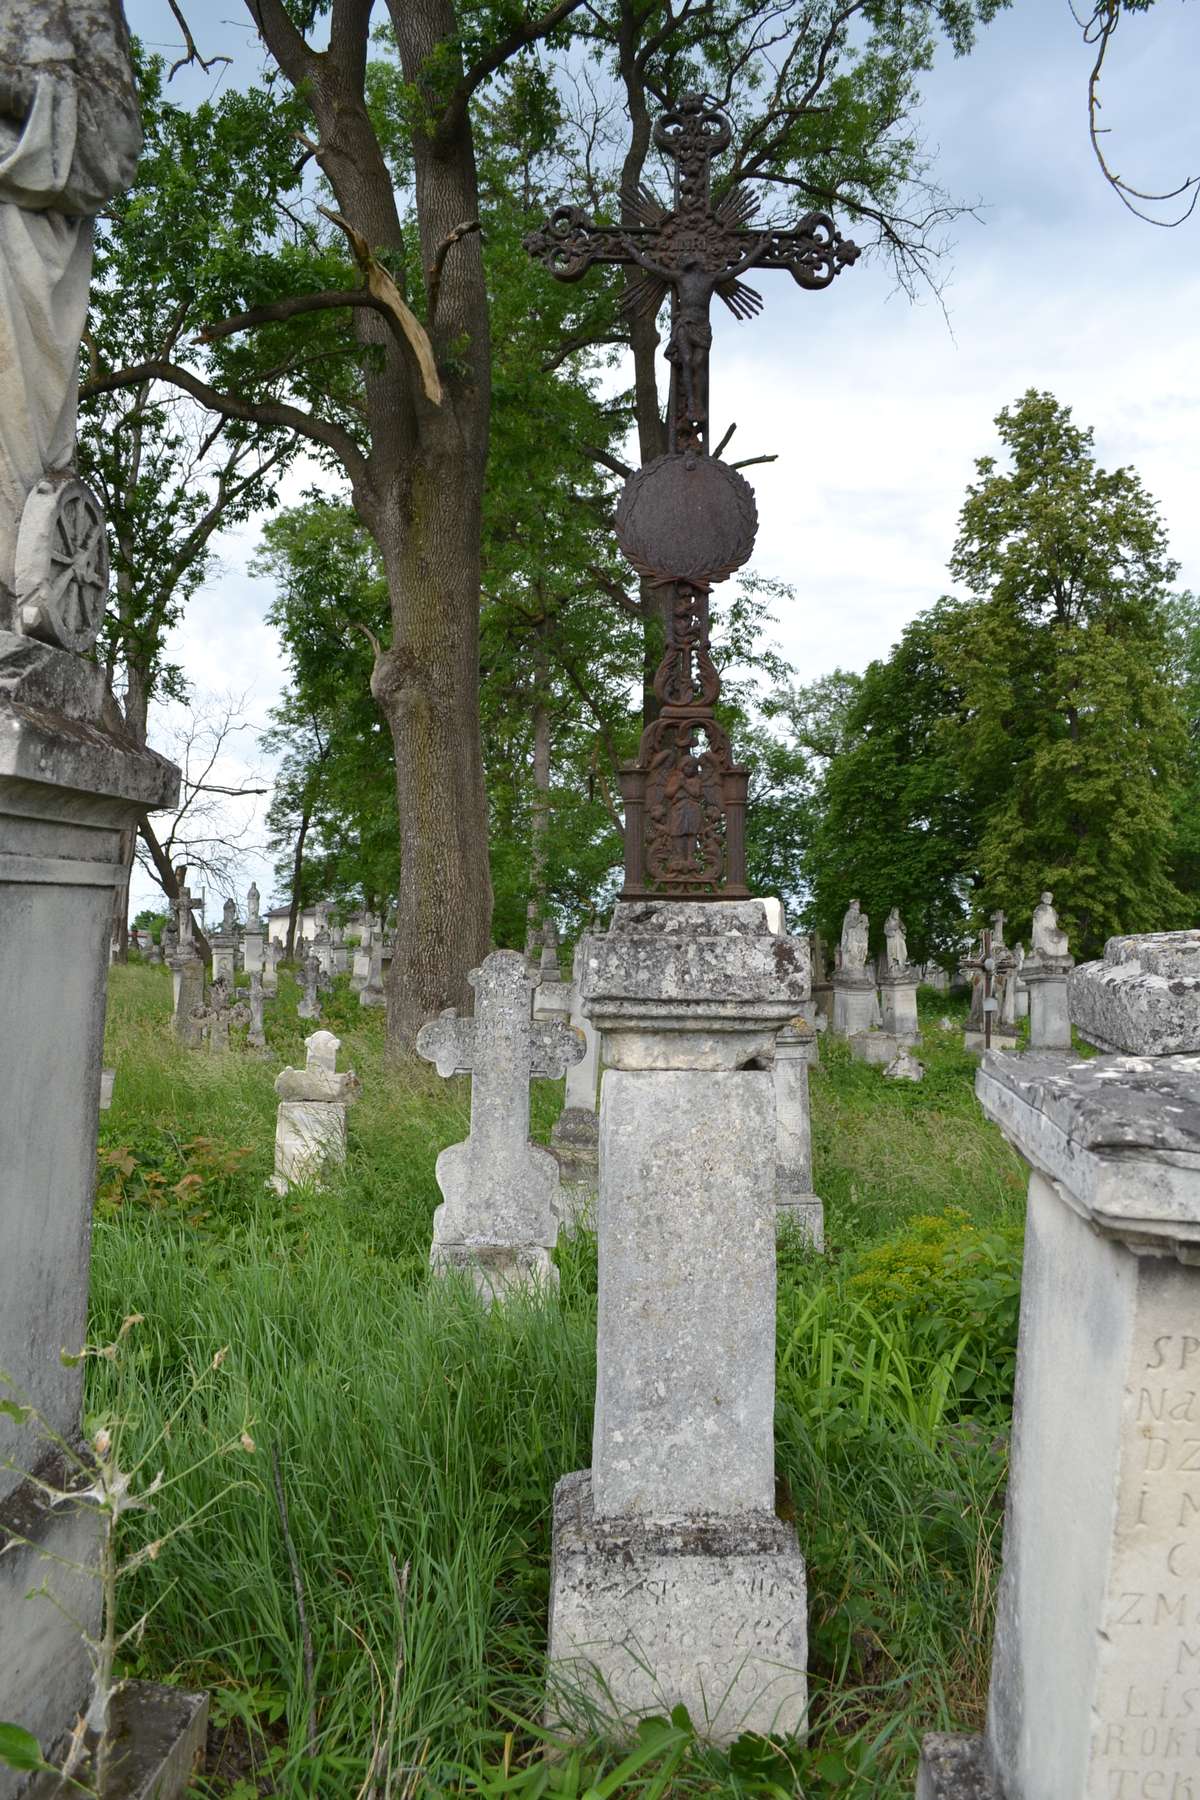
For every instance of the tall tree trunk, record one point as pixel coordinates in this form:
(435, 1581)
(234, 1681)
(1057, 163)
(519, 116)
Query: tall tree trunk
(289, 948)
(136, 709)
(427, 686)
(539, 822)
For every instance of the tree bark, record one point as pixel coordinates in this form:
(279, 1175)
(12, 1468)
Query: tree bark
(539, 823)
(289, 948)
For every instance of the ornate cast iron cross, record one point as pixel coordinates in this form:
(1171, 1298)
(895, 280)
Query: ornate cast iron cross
(687, 520)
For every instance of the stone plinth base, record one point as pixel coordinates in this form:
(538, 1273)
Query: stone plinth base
(876, 1047)
(955, 1768)
(644, 1616)
(495, 1269)
(310, 1137)
(1049, 1019)
(854, 1002)
(158, 1737)
(802, 1213)
(898, 1004)
(1001, 1040)
(45, 1675)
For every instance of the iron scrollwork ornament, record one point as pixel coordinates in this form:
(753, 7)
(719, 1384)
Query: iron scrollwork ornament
(687, 520)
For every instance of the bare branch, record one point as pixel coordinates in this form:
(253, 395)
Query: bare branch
(435, 268)
(191, 54)
(294, 307)
(608, 462)
(255, 412)
(1099, 30)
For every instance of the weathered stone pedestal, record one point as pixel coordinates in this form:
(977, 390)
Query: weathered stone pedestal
(71, 782)
(898, 1004)
(673, 1582)
(1095, 1689)
(1049, 1017)
(797, 1207)
(854, 1002)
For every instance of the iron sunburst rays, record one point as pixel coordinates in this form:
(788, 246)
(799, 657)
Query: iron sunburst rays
(645, 292)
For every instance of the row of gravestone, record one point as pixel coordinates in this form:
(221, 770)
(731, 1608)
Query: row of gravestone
(673, 1580)
(875, 1007)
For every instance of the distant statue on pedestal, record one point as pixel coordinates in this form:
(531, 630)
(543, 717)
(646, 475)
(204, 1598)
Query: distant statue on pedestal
(1049, 939)
(855, 929)
(897, 943)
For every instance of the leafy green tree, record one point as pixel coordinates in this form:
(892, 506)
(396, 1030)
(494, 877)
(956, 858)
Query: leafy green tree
(366, 327)
(170, 474)
(895, 825)
(1073, 734)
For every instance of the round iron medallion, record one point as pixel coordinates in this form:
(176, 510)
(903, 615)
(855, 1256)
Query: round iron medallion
(687, 518)
(62, 564)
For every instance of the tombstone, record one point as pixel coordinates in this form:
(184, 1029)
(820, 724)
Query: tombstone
(498, 1217)
(322, 949)
(575, 1139)
(214, 1016)
(990, 971)
(1094, 1683)
(272, 957)
(673, 1580)
(187, 973)
(361, 970)
(898, 984)
(1044, 973)
(372, 992)
(108, 1079)
(252, 938)
(310, 1129)
(552, 995)
(256, 1037)
(154, 953)
(310, 1005)
(854, 996)
(224, 944)
(1020, 990)
(822, 978)
(796, 1049)
(73, 785)
(1143, 997)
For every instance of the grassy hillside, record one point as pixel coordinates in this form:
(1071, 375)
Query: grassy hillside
(414, 1440)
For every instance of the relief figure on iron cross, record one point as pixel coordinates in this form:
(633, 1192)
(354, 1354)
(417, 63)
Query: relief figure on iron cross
(69, 141)
(693, 283)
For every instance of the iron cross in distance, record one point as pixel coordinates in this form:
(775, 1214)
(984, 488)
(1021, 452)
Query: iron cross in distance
(693, 250)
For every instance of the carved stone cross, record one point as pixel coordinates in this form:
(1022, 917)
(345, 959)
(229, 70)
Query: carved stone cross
(499, 1190)
(219, 1012)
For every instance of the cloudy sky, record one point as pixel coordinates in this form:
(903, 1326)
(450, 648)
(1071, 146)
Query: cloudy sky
(877, 407)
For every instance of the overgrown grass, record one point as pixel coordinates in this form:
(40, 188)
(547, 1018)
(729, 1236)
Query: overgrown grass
(417, 1439)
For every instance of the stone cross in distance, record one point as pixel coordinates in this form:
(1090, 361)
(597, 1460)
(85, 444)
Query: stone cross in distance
(695, 249)
(499, 1190)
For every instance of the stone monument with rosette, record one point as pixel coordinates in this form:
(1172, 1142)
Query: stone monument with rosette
(72, 783)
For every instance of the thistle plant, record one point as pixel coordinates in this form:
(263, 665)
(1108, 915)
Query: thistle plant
(100, 1483)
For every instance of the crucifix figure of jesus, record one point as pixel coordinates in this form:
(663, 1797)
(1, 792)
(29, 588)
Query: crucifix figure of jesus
(693, 250)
